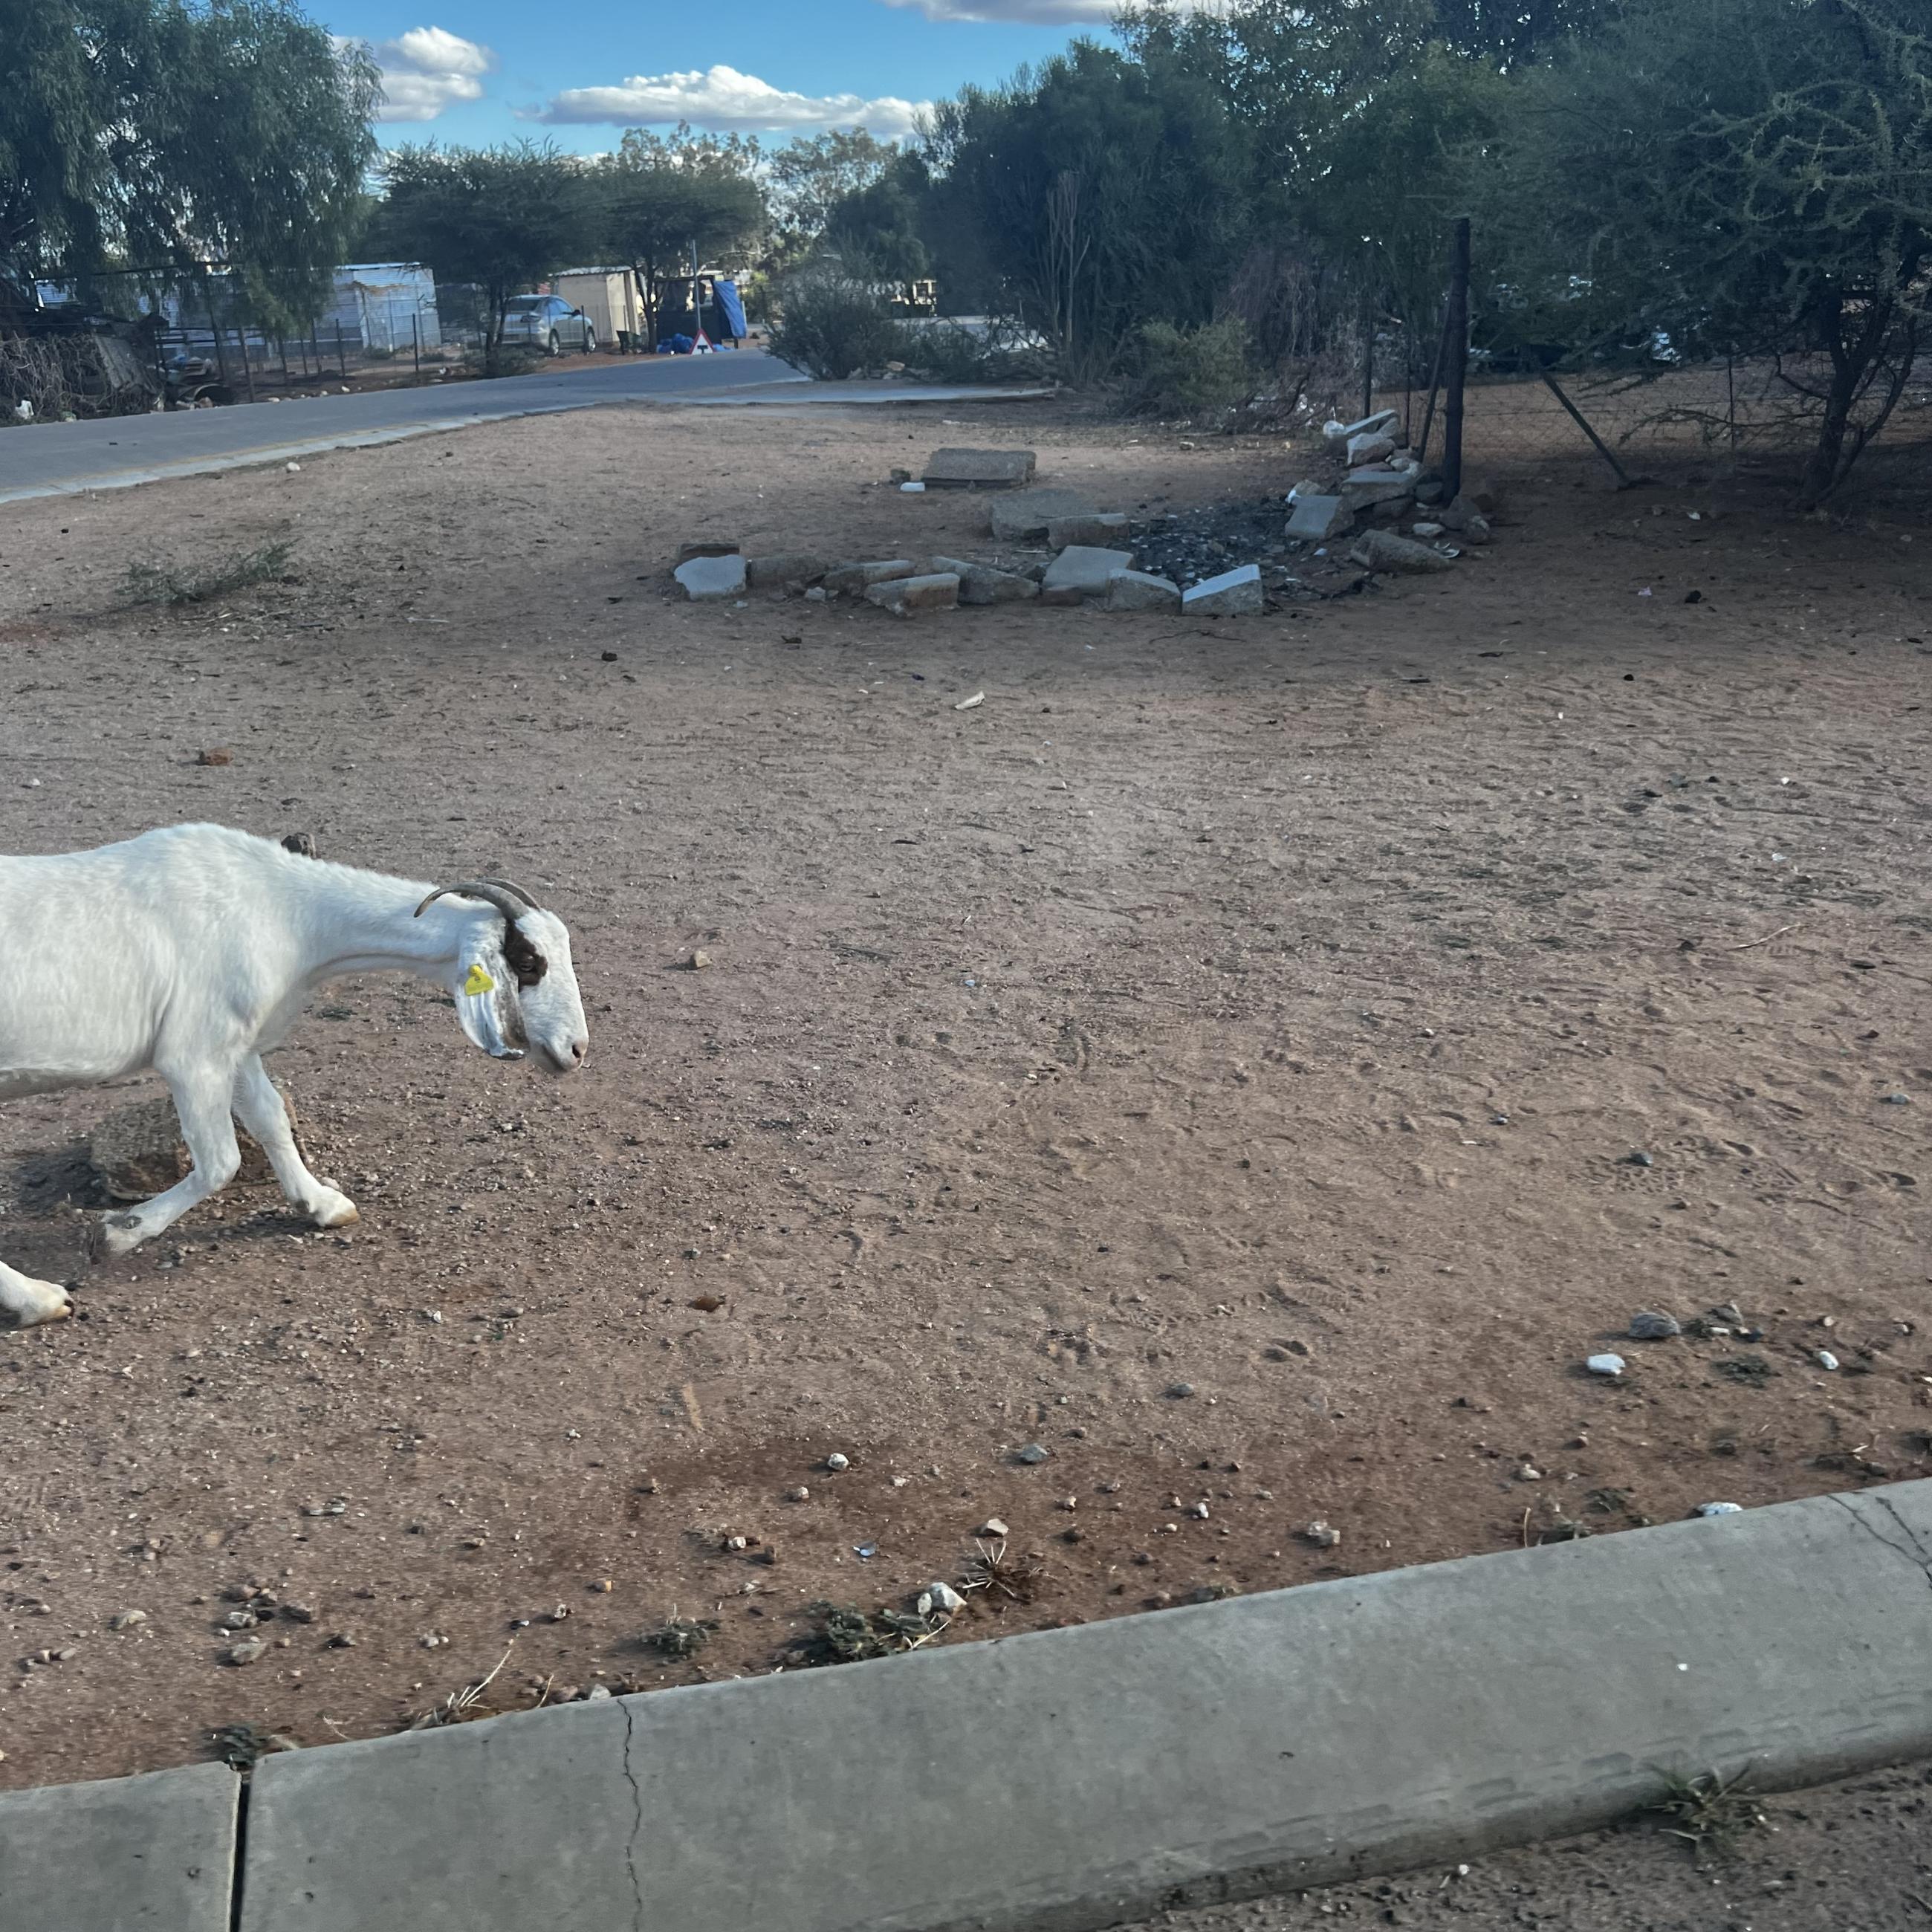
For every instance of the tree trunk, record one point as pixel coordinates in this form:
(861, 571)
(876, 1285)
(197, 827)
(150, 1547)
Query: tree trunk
(1853, 362)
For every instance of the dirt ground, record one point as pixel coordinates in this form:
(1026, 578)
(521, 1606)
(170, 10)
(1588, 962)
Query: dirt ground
(1218, 1058)
(1854, 1857)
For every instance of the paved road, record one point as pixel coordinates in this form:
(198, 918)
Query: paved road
(57, 459)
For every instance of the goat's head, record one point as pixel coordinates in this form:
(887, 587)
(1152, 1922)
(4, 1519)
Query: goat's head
(513, 982)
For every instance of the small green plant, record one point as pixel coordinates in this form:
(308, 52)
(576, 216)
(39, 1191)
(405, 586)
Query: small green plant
(189, 583)
(1192, 371)
(1707, 1811)
(680, 1637)
(947, 353)
(832, 325)
(844, 1633)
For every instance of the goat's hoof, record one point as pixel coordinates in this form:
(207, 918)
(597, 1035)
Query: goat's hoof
(333, 1211)
(38, 1301)
(114, 1235)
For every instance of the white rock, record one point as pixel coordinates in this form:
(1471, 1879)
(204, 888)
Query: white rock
(1825, 1359)
(1235, 593)
(706, 578)
(1721, 1509)
(992, 1526)
(1605, 1365)
(836, 1462)
(945, 1599)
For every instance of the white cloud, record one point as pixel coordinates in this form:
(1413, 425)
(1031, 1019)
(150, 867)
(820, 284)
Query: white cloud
(427, 70)
(722, 99)
(1028, 13)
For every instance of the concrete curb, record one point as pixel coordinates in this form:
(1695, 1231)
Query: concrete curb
(1059, 1781)
(152, 1854)
(1065, 1780)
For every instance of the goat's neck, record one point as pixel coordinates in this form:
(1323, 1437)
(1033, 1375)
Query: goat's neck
(363, 922)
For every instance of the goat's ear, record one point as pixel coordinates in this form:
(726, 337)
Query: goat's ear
(482, 976)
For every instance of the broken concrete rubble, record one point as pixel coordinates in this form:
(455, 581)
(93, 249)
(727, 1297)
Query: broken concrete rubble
(851, 579)
(1028, 513)
(713, 576)
(1080, 571)
(785, 570)
(1235, 593)
(1134, 590)
(1361, 489)
(1382, 549)
(1376, 446)
(1098, 527)
(1320, 519)
(979, 468)
(707, 546)
(905, 596)
(982, 583)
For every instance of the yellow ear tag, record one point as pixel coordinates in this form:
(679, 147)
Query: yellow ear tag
(478, 982)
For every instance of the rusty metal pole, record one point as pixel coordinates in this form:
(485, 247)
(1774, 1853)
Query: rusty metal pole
(1457, 359)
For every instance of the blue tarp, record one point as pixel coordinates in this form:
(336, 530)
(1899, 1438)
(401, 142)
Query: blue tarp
(731, 308)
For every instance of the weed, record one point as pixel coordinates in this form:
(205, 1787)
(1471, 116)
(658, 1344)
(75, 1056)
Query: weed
(680, 1637)
(1707, 1811)
(1001, 1574)
(242, 1747)
(1753, 1371)
(180, 583)
(461, 1706)
(844, 1633)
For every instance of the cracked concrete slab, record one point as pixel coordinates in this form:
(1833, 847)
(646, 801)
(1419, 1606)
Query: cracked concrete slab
(1061, 1781)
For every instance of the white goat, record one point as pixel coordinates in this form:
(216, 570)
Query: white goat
(190, 951)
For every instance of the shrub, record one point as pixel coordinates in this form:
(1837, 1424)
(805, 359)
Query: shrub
(1192, 371)
(219, 576)
(832, 325)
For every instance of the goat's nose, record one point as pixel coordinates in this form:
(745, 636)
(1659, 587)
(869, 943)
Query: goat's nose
(578, 1048)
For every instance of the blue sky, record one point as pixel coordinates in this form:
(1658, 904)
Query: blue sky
(471, 71)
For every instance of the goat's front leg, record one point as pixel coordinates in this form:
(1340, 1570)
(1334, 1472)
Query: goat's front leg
(202, 1098)
(29, 1301)
(259, 1108)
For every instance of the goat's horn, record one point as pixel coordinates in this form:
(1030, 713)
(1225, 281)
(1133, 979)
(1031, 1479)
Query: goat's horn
(510, 886)
(492, 892)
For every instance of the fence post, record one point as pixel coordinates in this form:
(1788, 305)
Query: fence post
(247, 365)
(341, 354)
(1457, 357)
(416, 340)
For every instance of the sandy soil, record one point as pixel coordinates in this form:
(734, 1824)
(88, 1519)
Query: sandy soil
(1267, 1010)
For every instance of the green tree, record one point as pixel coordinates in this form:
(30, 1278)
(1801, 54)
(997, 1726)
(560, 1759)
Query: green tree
(163, 135)
(1100, 192)
(1748, 176)
(500, 219)
(879, 230)
(809, 179)
(659, 196)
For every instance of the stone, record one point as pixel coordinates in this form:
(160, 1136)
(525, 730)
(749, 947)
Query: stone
(799, 1494)
(1084, 570)
(1425, 530)
(853, 580)
(1382, 549)
(247, 1652)
(137, 1152)
(1458, 514)
(1178, 1391)
(1028, 513)
(1476, 531)
(705, 547)
(1135, 590)
(1649, 1327)
(123, 1620)
(1309, 486)
(1320, 519)
(785, 570)
(837, 1463)
(1605, 1365)
(1098, 528)
(992, 1526)
(945, 1598)
(1032, 1455)
(906, 596)
(707, 578)
(1322, 1535)
(1372, 447)
(1235, 593)
(1825, 1359)
(1720, 1509)
(1367, 425)
(981, 583)
(979, 468)
(1361, 488)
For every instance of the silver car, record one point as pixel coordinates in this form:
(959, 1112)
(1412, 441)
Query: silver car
(548, 323)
